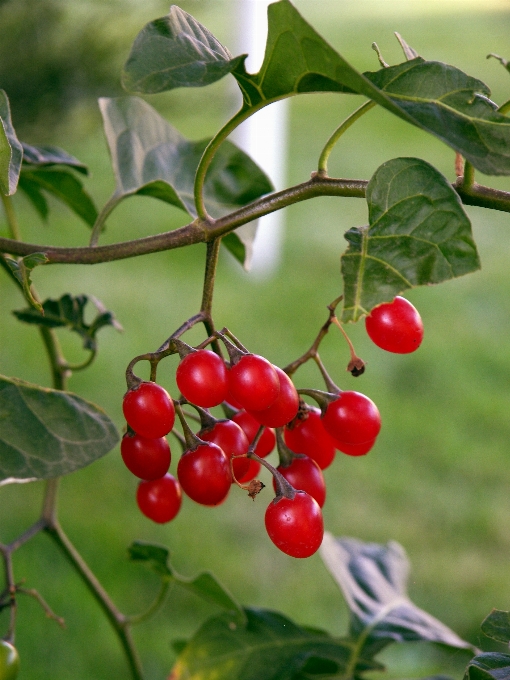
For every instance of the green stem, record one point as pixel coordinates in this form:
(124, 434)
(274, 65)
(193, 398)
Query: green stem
(108, 207)
(12, 221)
(211, 264)
(158, 602)
(468, 179)
(350, 120)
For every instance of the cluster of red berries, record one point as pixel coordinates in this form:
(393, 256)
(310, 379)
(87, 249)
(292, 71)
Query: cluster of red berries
(261, 397)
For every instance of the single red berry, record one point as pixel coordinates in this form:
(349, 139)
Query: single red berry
(252, 472)
(355, 449)
(253, 382)
(286, 406)
(232, 440)
(304, 474)
(202, 378)
(149, 410)
(295, 526)
(159, 499)
(352, 418)
(204, 474)
(145, 458)
(308, 436)
(395, 326)
(250, 426)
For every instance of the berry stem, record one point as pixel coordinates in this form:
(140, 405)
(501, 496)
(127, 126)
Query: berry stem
(356, 366)
(285, 454)
(283, 487)
(191, 439)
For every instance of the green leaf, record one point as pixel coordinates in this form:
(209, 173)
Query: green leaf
(419, 234)
(488, 666)
(504, 62)
(11, 151)
(48, 155)
(268, 647)
(68, 311)
(175, 51)
(497, 625)
(21, 269)
(204, 585)
(373, 579)
(60, 183)
(46, 433)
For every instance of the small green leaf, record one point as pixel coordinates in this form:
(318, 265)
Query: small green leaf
(175, 51)
(373, 579)
(11, 151)
(60, 183)
(46, 433)
(504, 62)
(240, 243)
(488, 666)
(156, 557)
(268, 647)
(68, 311)
(497, 625)
(409, 52)
(50, 155)
(21, 269)
(419, 234)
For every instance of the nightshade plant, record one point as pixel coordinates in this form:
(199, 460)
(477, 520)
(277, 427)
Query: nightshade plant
(418, 234)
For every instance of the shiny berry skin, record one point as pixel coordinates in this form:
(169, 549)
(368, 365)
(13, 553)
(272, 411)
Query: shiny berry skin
(159, 499)
(250, 426)
(231, 439)
(145, 458)
(395, 326)
(202, 378)
(355, 449)
(253, 382)
(9, 661)
(149, 410)
(352, 418)
(304, 474)
(308, 436)
(204, 474)
(284, 408)
(252, 472)
(295, 526)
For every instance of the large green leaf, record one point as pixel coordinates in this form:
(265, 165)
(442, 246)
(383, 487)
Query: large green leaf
(175, 51)
(497, 625)
(488, 666)
(373, 579)
(46, 433)
(205, 585)
(268, 647)
(11, 151)
(418, 234)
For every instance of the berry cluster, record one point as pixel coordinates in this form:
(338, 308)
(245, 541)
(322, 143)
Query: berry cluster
(264, 410)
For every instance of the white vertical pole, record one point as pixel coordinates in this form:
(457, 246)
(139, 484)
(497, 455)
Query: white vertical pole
(264, 135)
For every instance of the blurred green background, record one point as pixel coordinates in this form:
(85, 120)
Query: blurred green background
(437, 480)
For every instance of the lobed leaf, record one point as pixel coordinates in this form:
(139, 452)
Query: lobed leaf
(47, 433)
(497, 625)
(268, 647)
(488, 666)
(11, 151)
(373, 579)
(21, 269)
(419, 234)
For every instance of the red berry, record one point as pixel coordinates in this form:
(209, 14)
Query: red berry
(204, 474)
(159, 499)
(232, 440)
(202, 378)
(149, 410)
(145, 458)
(304, 474)
(308, 436)
(355, 449)
(253, 382)
(253, 471)
(295, 526)
(395, 326)
(250, 427)
(284, 408)
(352, 418)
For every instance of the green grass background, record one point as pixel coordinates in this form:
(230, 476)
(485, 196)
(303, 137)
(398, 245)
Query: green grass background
(438, 479)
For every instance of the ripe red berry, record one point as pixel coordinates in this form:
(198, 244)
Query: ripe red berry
(145, 458)
(250, 427)
(149, 410)
(395, 326)
(352, 418)
(285, 408)
(202, 378)
(159, 499)
(253, 382)
(295, 526)
(355, 449)
(308, 436)
(304, 474)
(232, 441)
(204, 474)
(252, 472)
